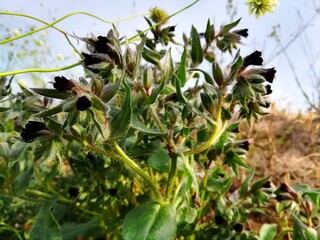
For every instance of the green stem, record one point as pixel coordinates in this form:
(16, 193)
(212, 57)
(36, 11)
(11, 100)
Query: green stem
(51, 25)
(61, 200)
(128, 161)
(171, 179)
(164, 20)
(3, 74)
(217, 132)
(283, 232)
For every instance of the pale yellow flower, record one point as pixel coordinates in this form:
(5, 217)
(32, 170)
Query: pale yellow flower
(261, 7)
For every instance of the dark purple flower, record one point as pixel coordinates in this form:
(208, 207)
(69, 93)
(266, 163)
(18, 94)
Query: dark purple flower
(268, 74)
(172, 28)
(253, 59)
(242, 32)
(268, 90)
(267, 185)
(90, 59)
(244, 145)
(74, 192)
(103, 45)
(283, 197)
(238, 227)
(62, 84)
(83, 103)
(265, 105)
(219, 220)
(32, 130)
(113, 191)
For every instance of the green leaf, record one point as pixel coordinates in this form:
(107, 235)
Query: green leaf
(208, 32)
(4, 109)
(298, 229)
(235, 65)
(4, 150)
(196, 49)
(16, 152)
(52, 93)
(139, 54)
(217, 73)
(267, 231)
(258, 184)
(245, 185)
(120, 123)
(45, 226)
(160, 160)
(72, 230)
(155, 92)
(136, 124)
(151, 56)
(207, 102)
(21, 183)
(220, 185)
(95, 122)
(182, 68)
(51, 111)
(207, 76)
(109, 91)
(97, 104)
(150, 220)
(182, 99)
(168, 66)
(226, 28)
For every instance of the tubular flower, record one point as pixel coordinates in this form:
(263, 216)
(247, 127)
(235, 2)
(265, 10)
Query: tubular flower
(253, 59)
(268, 74)
(62, 84)
(33, 130)
(242, 32)
(261, 7)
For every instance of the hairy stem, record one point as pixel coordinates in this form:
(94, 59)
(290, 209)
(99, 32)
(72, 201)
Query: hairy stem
(3, 74)
(128, 161)
(171, 179)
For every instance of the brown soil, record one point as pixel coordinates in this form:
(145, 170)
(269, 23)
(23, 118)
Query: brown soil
(286, 147)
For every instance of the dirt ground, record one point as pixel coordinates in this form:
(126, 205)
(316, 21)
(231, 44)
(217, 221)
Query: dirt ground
(285, 146)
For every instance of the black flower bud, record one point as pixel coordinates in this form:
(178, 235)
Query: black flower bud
(74, 192)
(62, 84)
(242, 32)
(83, 103)
(253, 59)
(283, 197)
(267, 185)
(32, 130)
(265, 105)
(113, 191)
(219, 220)
(268, 74)
(238, 227)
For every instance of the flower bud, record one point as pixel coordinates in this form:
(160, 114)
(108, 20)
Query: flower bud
(238, 227)
(147, 77)
(159, 15)
(33, 130)
(130, 61)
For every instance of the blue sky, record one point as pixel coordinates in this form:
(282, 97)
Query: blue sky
(290, 16)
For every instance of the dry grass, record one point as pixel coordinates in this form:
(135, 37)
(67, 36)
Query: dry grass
(285, 146)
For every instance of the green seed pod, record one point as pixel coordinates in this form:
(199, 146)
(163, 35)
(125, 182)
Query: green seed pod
(147, 77)
(131, 62)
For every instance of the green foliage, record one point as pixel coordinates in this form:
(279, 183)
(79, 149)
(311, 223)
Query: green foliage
(127, 152)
